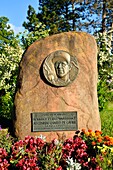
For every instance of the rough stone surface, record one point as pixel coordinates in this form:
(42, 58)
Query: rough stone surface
(35, 95)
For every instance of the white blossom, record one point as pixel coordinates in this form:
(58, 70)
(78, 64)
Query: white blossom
(41, 137)
(73, 165)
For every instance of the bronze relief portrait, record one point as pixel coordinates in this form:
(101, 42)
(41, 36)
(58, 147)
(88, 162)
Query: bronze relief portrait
(60, 68)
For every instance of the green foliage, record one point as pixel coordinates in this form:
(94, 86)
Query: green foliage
(29, 37)
(6, 34)
(32, 20)
(68, 15)
(105, 157)
(57, 15)
(10, 55)
(11, 50)
(51, 155)
(107, 119)
(6, 107)
(103, 94)
(105, 70)
(34, 29)
(62, 16)
(6, 140)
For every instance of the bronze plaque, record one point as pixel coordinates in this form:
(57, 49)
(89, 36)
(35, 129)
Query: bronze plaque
(54, 121)
(60, 68)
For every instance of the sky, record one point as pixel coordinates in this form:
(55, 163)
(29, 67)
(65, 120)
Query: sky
(16, 11)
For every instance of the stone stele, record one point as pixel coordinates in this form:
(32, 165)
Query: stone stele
(39, 92)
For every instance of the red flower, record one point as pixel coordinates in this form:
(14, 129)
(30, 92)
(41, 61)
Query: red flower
(36, 168)
(59, 168)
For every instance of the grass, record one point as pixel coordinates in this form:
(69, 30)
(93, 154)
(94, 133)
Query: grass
(107, 119)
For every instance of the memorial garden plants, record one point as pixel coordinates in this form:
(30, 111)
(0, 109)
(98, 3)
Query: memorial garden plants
(86, 150)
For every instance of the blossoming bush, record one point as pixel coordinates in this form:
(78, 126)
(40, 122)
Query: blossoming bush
(105, 69)
(10, 56)
(87, 150)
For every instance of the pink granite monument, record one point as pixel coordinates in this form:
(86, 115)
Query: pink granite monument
(57, 87)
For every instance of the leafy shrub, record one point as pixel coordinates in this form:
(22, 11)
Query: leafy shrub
(6, 140)
(105, 69)
(105, 157)
(50, 156)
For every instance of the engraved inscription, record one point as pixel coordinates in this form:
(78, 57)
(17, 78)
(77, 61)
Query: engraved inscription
(54, 121)
(60, 68)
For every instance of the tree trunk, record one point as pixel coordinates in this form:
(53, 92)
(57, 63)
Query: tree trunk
(110, 33)
(73, 9)
(104, 17)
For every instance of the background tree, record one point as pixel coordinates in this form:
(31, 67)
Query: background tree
(57, 15)
(11, 50)
(92, 16)
(10, 55)
(105, 70)
(66, 15)
(34, 29)
(105, 55)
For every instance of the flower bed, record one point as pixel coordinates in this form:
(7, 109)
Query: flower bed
(86, 150)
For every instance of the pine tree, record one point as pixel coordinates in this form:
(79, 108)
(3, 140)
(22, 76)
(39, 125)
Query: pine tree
(32, 19)
(57, 15)
(66, 15)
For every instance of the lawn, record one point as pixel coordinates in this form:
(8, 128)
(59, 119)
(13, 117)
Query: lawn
(107, 119)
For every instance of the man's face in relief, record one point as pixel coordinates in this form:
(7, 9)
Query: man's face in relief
(62, 68)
